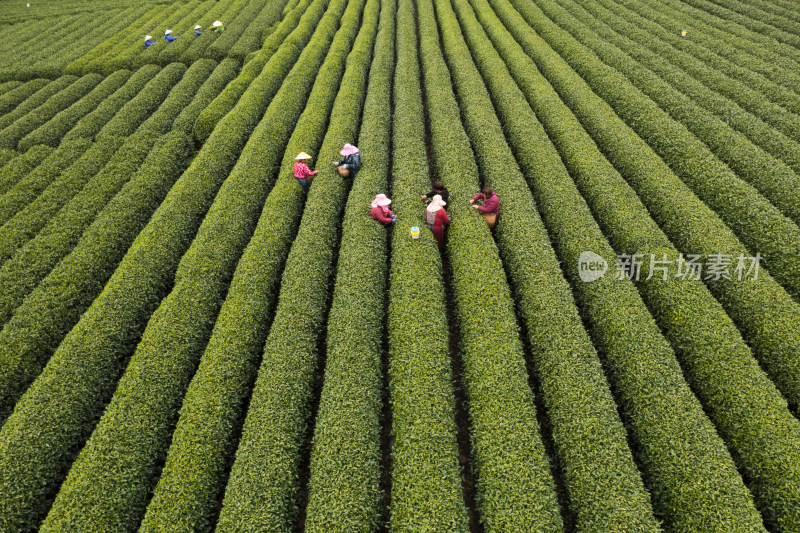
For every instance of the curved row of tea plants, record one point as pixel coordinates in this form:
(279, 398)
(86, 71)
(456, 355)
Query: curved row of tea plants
(13, 133)
(739, 49)
(36, 181)
(179, 97)
(705, 338)
(587, 429)
(775, 180)
(110, 480)
(143, 105)
(40, 439)
(514, 487)
(20, 165)
(763, 311)
(263, 82)
(53, 131)
(27, 222)
(198, 472)
(750, 216)
(749, 90)
(345, 467)
(666, 420)
(34, 261)
(222, 75)
(33, 101)
(91, 124)
(263, 487)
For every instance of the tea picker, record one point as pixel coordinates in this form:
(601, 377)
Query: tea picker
(380, 210)
(349, 165)
(490, 207)
(168, 36)
(302, 173)
(436, 218)
(217, 27)
(438, 188)
(198, 30)
(148, 41)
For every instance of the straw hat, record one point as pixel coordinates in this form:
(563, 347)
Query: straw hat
(148, 37)
(167, 32)
(436, 204)
(381, 201)
(349, 149)
(303, 155)
(217, 23)
(198, 27)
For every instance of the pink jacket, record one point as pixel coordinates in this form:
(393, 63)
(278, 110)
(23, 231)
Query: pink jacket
(301, 170)
(492, 205)
(384, 217)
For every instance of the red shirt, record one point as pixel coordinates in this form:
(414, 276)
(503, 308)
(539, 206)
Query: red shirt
(440, 219)
(301, 170)
(384, 217)
(490, 205)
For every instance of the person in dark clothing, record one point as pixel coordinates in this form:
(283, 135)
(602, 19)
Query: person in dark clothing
(350, 163)
(439, 189)
(198, 30)
(168, 36)
(148, 41)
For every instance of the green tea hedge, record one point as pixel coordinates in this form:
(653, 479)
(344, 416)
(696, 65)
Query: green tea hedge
(28, 221)
(263, 487)
(29, 187)
(180, 96)
(751, 93)
(34, 100)
(344, 484)
(56, 128)
(704, 338)
(21, 165)
(31, 469)
(251, 39)
(586, 426)
(235, 28)
(90, 125)
(264, 72)
(12, 134)
(223, 74)
(760, 226)
(31, 263)
(143, 105)
(15, 97)
(514, 487)
(426, 486)
(134, 440)
(774, 179)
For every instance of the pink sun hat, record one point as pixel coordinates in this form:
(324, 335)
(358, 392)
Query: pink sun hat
(436, 204)
(349, 149)
(380, 201)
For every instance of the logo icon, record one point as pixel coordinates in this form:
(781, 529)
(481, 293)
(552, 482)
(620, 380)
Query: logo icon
(591, 267)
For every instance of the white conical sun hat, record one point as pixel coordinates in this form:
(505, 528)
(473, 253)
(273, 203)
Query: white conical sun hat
(217, 23)
(303, 155)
